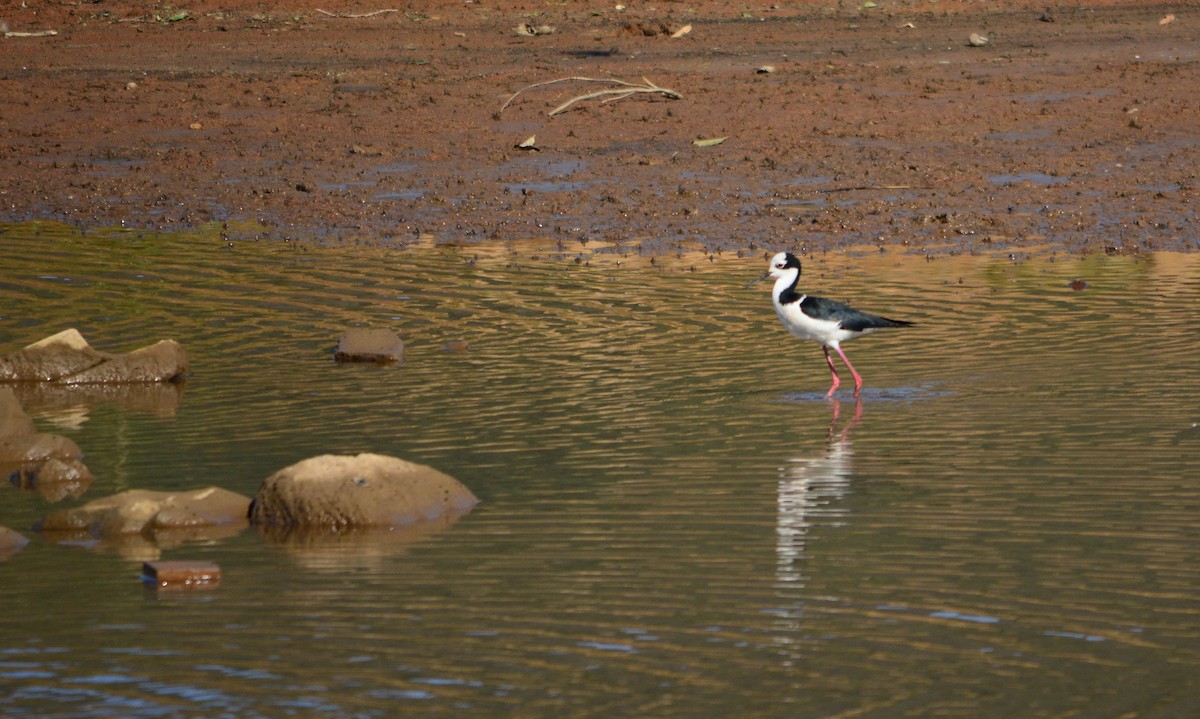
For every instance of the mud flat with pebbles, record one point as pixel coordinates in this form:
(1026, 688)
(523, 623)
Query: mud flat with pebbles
(1070, 129)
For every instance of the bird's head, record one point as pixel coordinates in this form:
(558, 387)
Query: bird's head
(783, 264)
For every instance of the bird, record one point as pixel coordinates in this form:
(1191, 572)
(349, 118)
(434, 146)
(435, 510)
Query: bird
(815, 318)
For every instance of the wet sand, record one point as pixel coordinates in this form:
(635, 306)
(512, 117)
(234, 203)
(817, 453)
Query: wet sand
(1073, 129)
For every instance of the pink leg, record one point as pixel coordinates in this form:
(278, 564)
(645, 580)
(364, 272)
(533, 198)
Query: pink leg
(832, 371)
(857, 378)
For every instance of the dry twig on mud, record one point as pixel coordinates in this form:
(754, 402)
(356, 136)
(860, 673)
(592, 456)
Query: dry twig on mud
(856, 188)
(35, 33)
(354, 16)
(618, 93)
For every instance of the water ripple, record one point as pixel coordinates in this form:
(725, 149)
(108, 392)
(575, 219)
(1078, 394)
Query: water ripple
(673, 514)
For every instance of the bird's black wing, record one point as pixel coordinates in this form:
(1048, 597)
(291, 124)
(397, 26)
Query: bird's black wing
(851, 319)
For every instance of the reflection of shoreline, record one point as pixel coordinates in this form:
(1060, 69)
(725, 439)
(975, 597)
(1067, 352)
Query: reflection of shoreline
(809, 488)
(68, 406)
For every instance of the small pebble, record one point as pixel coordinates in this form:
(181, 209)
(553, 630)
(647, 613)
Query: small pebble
(1079, 285)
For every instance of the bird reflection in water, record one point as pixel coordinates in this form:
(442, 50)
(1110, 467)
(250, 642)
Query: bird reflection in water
(809, 492)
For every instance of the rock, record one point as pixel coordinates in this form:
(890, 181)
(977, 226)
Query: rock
(11, 542)
(181, 574)
(361, 344)
(50, 359)
(146, 512)
(67, 358)
(13, 420)
(334, 492)
(50, 463)
(55, 479)
(36, 447)
(162, 361)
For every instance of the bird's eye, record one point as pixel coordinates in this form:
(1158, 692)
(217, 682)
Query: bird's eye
(779, 265)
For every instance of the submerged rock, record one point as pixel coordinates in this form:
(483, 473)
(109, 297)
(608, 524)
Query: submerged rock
(361, 344)
(50, 463)
(337, 492)
(146, 512)
(67, 358)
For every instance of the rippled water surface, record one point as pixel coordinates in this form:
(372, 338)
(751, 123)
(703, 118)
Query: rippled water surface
(674, 521)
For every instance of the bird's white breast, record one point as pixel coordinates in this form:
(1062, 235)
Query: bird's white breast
(827, 332)
(806, 327)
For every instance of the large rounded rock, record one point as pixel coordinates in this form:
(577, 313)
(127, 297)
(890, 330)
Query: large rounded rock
(335, 492)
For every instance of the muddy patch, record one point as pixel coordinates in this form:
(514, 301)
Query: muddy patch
(878, 123)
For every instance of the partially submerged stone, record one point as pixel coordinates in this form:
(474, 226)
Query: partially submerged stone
(148, 513)
(362, 344)
(55, 479)
(181, 574)
(50, 463)
(337, 492)
(14, 422)
(162, 361)
(11, 542)
(67, 358)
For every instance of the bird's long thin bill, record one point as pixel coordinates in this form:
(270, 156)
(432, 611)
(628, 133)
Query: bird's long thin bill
(760, 279)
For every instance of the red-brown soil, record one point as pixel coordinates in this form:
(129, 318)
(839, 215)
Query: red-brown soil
(1076, 128)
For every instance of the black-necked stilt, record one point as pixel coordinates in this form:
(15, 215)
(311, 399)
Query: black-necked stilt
(819, 319)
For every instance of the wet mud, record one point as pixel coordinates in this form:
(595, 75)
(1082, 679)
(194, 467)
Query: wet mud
(1071, 129)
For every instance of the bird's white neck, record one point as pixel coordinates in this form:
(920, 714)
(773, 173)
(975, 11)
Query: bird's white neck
(784, 282)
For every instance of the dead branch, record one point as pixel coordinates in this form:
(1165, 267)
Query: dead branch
(35, 33)
(618, 93)
(856, 188)
(355, 16)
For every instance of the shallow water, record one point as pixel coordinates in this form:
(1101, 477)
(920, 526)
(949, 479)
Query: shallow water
(674, 521)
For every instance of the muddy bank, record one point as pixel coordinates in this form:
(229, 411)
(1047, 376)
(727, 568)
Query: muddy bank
(1073, 129)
